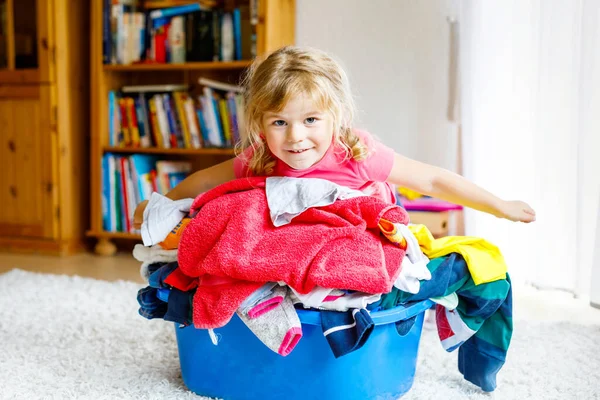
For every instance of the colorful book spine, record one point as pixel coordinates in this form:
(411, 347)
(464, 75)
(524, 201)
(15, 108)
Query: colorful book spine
(132, 119)
(224, 113)
(193, 123)
(237, 33)
(174, 11)
(178, 98)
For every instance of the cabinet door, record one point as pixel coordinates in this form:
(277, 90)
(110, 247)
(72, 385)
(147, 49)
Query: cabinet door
(28, 193)
(27, 50)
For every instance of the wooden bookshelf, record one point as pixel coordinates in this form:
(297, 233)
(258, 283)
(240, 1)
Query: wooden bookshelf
(156, 150)
(114, 235)
(173, 3)
(275, 28)
(190, 66)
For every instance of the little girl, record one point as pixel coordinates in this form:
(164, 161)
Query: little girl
(299, 123)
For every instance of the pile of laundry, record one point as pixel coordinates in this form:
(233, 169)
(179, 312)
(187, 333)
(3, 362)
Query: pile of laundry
(261, 248)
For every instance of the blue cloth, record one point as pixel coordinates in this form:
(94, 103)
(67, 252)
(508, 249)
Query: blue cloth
(163, 294)
(346, 331)
(404, 326)
(154, 266)
(485, 309)
(448, 273)
(179, 307)
(482, 356)
(157, 278)
(150, 305)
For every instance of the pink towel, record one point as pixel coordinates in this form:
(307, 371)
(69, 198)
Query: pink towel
(337, 246)
(432, 205)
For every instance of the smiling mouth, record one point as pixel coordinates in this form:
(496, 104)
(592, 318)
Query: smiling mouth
(297, 151)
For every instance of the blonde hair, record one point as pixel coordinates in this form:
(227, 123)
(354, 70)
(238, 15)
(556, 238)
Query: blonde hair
(291, 71)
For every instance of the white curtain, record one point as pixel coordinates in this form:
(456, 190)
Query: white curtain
(530, 113)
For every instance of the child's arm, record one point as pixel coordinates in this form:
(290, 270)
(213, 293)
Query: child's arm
(203, 180)
(443, 184)
(192, 186)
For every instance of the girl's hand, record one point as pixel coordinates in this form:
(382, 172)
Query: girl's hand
(138, 215)
(517, 211)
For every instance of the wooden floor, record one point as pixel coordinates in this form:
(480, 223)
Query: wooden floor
(121, 266)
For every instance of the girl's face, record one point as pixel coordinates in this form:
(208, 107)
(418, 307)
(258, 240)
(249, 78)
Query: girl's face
(300, 134)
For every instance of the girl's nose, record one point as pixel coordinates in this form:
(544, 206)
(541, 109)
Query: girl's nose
(295, 134)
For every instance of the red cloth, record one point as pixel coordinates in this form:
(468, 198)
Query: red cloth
(338, 246)
(181, 281)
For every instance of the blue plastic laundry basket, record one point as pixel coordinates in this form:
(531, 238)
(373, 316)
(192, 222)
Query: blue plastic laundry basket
(242, 367)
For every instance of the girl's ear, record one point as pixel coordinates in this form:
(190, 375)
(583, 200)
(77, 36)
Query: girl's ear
(261, 135)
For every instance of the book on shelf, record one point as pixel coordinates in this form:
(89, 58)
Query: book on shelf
(153, 88)
(129, 180)
(168, 116)
(227, 87)
(165, 13)
(193, 32)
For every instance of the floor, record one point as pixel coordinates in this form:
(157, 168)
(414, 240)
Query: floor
(121, 266)
(529, 303)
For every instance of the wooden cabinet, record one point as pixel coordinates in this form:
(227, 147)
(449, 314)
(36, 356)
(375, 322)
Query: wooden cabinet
(43, 124)
(444, 223)
(27, 203)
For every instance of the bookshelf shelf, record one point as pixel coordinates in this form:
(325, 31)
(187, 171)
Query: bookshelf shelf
(155, 150)
(217, 65)
(173, 3)
(114, 235)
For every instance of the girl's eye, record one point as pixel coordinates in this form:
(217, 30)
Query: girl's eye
(279, 122)
(311, 120)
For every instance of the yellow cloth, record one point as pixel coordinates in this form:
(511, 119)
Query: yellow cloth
(484, 260)
(409, 194)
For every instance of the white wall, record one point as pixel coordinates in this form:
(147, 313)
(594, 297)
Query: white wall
(396, 55)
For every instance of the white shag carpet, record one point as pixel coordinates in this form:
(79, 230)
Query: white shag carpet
(79, 338)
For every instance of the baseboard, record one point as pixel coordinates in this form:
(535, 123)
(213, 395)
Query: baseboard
(43, 246)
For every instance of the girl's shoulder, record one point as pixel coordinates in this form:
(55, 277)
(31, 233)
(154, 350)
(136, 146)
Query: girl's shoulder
(371, 142)
(362, 134)
(379, 160)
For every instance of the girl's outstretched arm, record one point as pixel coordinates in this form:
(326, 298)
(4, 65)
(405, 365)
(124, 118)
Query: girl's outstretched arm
(445, 185)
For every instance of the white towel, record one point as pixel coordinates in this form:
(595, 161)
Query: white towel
(289, 197)
(414, 265)
(161, 216)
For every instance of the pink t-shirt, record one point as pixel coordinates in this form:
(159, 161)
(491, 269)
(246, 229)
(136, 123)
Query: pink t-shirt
(368, 176)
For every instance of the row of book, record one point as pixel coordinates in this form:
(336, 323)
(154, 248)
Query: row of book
(129, 180)
(187, 33)
(168, 116)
